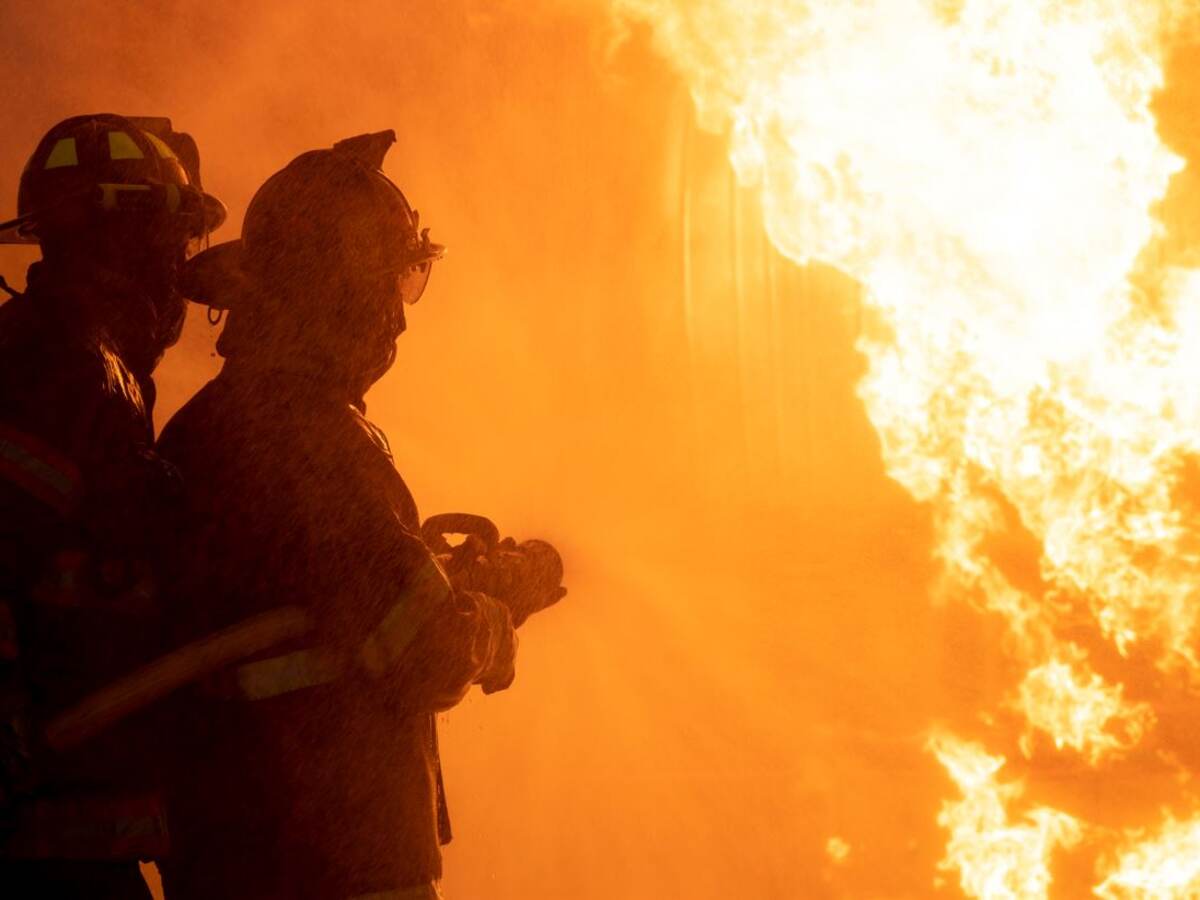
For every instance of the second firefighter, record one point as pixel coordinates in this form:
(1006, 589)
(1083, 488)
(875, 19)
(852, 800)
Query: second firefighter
(313, 771)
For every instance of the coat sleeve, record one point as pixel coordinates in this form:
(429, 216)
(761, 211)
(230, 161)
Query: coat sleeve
(468, 640)
(390, 608)
(76, 463)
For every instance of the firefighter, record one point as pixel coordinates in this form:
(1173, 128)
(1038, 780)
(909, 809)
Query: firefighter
(114, 204)
(312, 771)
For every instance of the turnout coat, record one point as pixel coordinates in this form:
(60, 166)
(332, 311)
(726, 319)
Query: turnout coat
(313, 770)
(83, 498)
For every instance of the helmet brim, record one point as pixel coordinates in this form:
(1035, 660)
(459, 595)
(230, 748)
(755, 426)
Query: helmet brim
(17, 231)
(215, 213)
(20, 229)
(214, 277)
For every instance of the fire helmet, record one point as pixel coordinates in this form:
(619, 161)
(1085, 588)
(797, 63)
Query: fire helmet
(327, 211)
(88, 169)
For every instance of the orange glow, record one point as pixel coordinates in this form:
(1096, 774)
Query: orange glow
(1091, 717)
(988, 172)
(838, 850)
(842, 349)
(995, 857)
(1166, 866)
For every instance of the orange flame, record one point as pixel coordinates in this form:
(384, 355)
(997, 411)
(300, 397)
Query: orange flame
(1083, 713)
(994, 857)
(987, 171)
(1163, 867)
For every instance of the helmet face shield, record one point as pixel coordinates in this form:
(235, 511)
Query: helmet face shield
(410, 284)
(329, 220)
(412, 280)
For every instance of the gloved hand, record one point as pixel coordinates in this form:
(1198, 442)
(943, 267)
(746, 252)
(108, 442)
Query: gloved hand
(500, 673)
(525, 576)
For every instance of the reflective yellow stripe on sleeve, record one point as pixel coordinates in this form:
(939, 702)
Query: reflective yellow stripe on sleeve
(267, 678)
(426, 591)
(100, 826)
(263, 679)
(39, 469)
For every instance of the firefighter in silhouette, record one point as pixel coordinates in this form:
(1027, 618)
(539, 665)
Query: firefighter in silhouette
(113, 203)
(312, 770)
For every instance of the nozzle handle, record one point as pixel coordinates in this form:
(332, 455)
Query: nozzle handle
(435, 529)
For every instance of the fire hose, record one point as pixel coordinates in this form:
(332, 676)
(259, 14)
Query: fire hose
(168, 673)
(526, 576)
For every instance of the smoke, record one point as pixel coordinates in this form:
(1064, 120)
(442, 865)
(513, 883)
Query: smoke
(743, 660)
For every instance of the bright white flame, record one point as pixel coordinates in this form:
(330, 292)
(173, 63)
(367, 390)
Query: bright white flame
(995, 857)
(987, 170)
(1163, 867)
(1083, 713)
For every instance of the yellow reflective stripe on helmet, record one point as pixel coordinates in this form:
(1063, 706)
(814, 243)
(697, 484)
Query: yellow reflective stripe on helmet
(122, 146)
(160, 145)
(427, 589)
(64, 154)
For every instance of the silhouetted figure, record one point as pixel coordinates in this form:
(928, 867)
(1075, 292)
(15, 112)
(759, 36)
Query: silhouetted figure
(312, 771)
(113, 202)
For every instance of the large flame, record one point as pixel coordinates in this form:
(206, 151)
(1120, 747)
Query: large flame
(1166, 865)
(988, 171)
(995, 857)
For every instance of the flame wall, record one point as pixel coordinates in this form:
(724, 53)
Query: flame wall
(991, 173)
(733, 699)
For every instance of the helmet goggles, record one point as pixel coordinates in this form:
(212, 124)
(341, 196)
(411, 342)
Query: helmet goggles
(413, 277)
